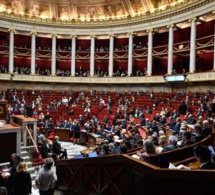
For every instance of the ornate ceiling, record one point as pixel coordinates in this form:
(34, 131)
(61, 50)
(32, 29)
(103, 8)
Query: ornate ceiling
(86, 10)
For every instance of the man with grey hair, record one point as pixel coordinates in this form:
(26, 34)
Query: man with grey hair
(172, 144)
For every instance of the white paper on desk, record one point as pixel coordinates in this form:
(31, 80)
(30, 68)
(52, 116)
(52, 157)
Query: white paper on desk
(159, 149)
(190, 126)
(135, 156)
(6, 170)
(171, 166)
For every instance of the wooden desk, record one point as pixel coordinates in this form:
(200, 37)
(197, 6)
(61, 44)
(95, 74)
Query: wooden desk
(62, 133)
(94, 139)
(10, 141)
(83, 137)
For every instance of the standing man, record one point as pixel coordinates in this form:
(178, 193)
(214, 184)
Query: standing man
(77, 132)
(46, 179)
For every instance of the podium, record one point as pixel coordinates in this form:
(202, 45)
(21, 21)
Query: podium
(31, 124)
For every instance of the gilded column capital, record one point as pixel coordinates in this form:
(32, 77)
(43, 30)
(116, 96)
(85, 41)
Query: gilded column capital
(193, 20)
(33, 33)
(130, 34)
(92, 36)
(73, 36)
(213, 12)
(171, 26)
(11, 30)
(150, 30)
(53, 35)
(111, 36)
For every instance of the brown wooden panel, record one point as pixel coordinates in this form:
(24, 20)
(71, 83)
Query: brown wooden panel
(3, 110)
(63, 134)
(7, 146)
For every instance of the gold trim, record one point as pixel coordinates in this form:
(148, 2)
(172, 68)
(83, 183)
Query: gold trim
(193, 19)
(33, 33)
(53, 35)
(73, 36)
(111, 23)
(171, 26)
(32, 73)
(53, 74)
(92, 36)
(150, 30)
(169, 73)
(130, 34)
(11, 30)
(149, 74)
(192, 71)
(111, 36)
(10, 72)
(72, 75)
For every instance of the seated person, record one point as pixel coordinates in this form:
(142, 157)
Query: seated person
(197, 134)
(203, 156)
(186, 139)
(172, 144)
(46, 150)
(149, 150)
(58, 150)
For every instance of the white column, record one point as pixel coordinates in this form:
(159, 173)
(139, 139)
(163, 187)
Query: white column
(11, 51)
(53, 66)
(170, 49)
(111, 48)
(73, 55)
(130, 52)
(33, 52)
(149, 60)
(192, 67)
(92, 56)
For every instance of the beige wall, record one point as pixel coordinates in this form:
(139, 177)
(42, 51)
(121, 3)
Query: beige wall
(176, 87)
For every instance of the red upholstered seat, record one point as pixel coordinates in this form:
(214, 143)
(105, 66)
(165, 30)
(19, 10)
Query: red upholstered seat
(37, 159)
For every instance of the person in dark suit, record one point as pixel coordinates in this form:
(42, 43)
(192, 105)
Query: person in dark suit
(29, 110)
(172, 144)
(182, 108)
(47, 150)
(176, 128)
(198, 135)
(21, 181)
(77, 132)
(207, 130)
(203, 156)
(58, 150)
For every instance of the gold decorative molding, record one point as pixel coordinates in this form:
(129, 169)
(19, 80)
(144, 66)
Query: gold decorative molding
(32, 73)
(33, 33)
(213, 12)
(92, 36)
(11, 30)
(73, 36)
(150, 30)
(130, 34)
(72, 75)
(193, 20)
(192, 71)
(169, 73)
(53, 35)
(181, 8)
(171, 26)
(53, 74)
(111, 36)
